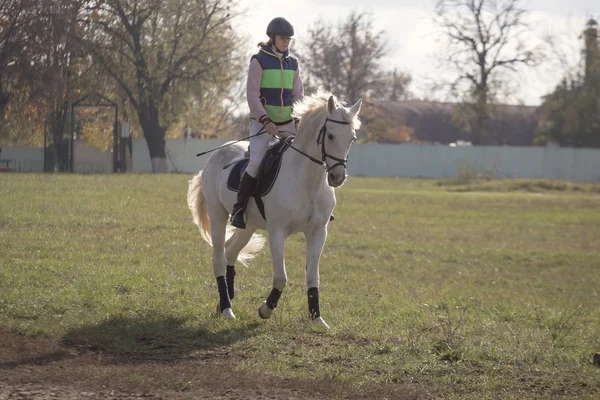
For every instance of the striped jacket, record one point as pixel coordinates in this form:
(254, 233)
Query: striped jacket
(276, 84)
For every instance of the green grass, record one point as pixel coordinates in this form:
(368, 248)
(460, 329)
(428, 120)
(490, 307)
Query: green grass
(477, 290)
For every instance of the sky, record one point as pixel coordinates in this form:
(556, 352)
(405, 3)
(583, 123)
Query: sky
(414, 40)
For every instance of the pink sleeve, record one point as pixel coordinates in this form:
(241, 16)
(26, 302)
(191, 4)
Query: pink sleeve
(253, 89)
(298, 90)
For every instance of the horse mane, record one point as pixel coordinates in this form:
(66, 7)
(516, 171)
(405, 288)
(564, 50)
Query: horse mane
(312, 107)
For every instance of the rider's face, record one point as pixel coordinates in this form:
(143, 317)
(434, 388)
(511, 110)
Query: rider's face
(282, 43)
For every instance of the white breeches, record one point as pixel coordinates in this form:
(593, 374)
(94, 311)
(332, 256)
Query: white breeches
(259, 144)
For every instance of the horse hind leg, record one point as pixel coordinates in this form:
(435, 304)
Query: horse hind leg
(218, 231)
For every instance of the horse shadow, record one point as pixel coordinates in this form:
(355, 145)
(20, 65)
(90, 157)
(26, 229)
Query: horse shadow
(160, 339)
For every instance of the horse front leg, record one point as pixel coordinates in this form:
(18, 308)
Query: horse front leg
(218, 229)
(277, 245)
(315, 241)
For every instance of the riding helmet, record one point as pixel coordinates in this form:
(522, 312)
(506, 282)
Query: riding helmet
(280, 26)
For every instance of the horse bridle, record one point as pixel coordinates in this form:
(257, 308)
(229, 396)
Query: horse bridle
(321, 142)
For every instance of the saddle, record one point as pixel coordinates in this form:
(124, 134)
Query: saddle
(267, 172)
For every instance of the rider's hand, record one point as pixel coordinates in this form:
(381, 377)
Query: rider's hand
(272, 129)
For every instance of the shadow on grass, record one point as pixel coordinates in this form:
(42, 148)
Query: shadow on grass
(155, 339)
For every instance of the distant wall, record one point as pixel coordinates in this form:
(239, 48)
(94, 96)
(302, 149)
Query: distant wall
(407, 160)
(416, 161)
(437, 161)
(24, 159)
(88, 160)
(181, 154)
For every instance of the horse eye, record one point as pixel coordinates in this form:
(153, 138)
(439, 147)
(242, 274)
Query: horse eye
(330, 136)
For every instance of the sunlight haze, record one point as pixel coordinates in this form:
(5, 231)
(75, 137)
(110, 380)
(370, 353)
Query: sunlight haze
(413, 38)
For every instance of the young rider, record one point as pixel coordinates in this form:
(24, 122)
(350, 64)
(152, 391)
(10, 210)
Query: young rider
(274, 84)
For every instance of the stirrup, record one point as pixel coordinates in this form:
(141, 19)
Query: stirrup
(237, 219)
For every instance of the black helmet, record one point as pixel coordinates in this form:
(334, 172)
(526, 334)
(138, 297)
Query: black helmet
(280, 26)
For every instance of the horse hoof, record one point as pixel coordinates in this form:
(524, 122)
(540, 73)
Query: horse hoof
(319, 322)
(228, 314)
(264, 312)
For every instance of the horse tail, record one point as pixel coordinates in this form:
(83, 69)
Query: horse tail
(250, 250)
(197, 205)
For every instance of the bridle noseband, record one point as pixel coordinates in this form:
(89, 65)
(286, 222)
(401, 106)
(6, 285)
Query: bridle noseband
(321, 141)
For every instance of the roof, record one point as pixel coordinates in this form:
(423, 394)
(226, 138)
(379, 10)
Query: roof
(434, 122)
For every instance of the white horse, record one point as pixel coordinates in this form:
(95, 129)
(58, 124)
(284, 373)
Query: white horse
(302, 199)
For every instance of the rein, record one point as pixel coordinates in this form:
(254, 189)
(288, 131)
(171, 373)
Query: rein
(320, 141)
(229, 144)
(324, 155)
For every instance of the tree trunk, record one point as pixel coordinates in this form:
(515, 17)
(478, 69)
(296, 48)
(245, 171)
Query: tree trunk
(4, 98)
(482, 114)
(482, 124)
(154, 134)
(58, 122)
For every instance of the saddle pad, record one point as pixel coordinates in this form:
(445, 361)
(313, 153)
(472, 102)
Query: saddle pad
(267, 172)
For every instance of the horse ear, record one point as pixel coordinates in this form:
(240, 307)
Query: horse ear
(331, 104)
(355, 109)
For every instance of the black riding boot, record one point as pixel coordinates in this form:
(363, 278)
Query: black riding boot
(245, 190)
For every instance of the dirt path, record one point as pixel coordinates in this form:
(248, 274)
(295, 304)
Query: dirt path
(43, 369)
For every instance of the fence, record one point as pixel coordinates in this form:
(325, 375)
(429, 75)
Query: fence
(24, 159)
(408, 160)
(86, 159)
(416, 161)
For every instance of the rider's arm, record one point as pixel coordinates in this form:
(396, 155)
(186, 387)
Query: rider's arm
(298, 89)
(253, 90)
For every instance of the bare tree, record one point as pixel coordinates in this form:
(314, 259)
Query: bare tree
(394, 86)
(156, 50)
(484, 41)
(347, 59)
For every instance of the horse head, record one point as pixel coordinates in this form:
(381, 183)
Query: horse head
(335, 138)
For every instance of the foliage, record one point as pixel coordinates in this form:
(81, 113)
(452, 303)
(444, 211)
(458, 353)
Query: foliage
(212, 112)
(163, 55)
(51, 71)
(381, 127)
(23, 120)
(162, 62)
(570, 117)
(22, 25)
(15, 26)
(95, 126)
(571, 113)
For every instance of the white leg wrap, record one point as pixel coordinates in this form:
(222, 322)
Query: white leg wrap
(265, 312)
(228, 314)
(320, 323)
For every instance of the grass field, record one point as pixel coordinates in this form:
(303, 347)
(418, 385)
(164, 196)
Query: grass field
(470, 291)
